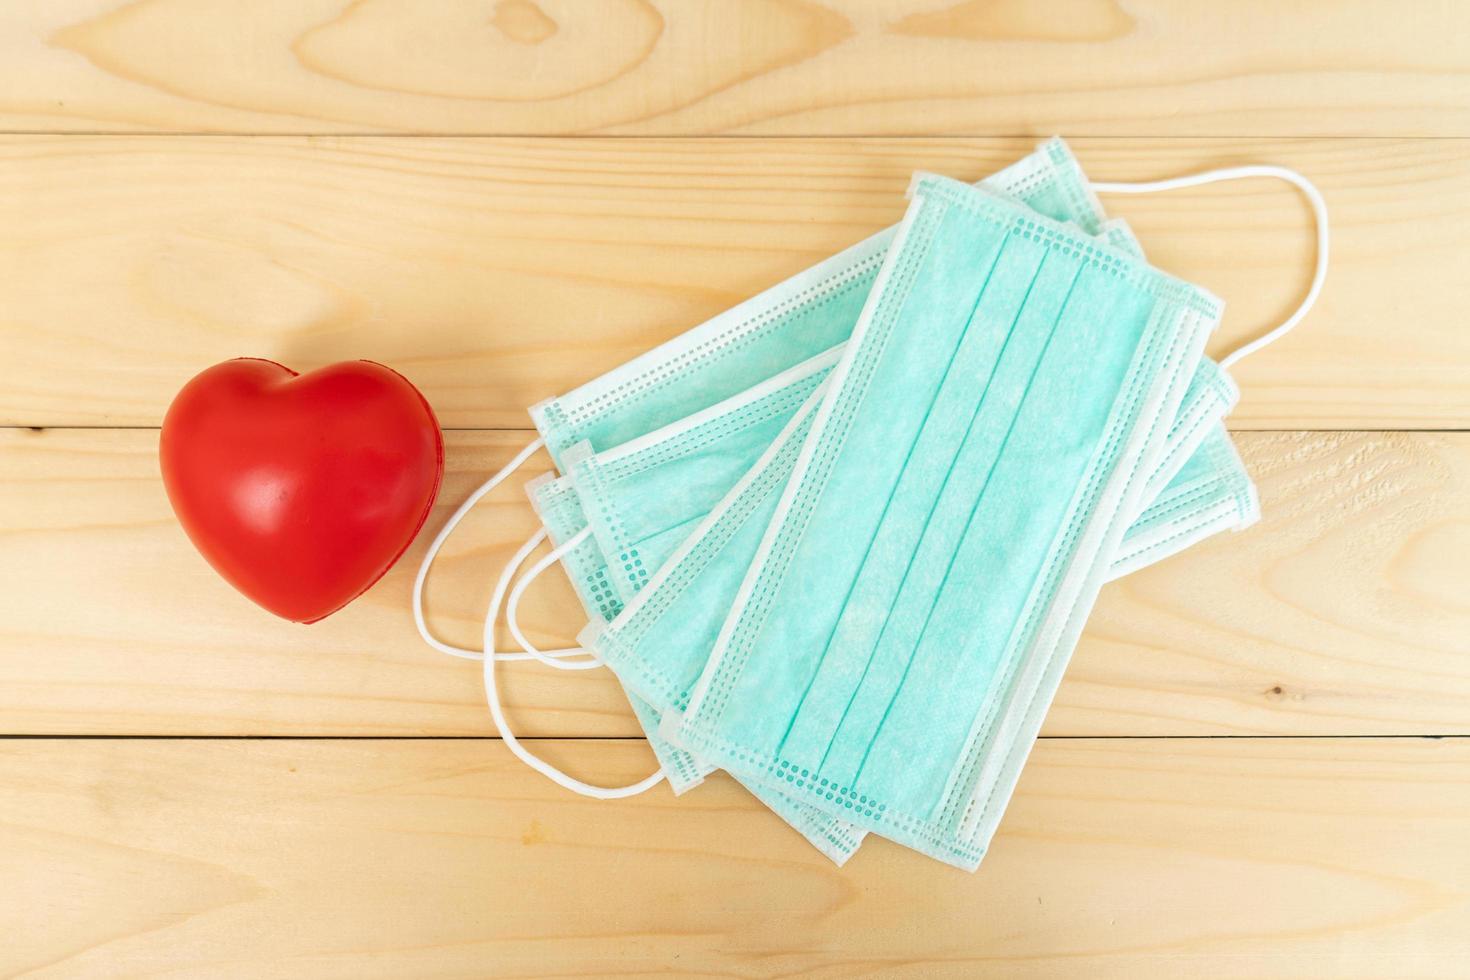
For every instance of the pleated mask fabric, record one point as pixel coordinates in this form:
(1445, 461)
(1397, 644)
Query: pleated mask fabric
(653, 688)
(797, 321)
(642, 499)
(645, 496)
(642, 527)
(832, 836)
(778, 326)
(889, 619)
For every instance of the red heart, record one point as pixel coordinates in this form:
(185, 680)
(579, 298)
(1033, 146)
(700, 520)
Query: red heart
(301, 490)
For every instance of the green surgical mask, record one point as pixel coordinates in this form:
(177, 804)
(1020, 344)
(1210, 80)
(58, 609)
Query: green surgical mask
(648, 495)
(560, 509)
(886, 745)
(1184, 481)
(932, 536)
(644, 496)
(722, 357)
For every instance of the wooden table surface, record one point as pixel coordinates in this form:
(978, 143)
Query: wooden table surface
(1259, 761)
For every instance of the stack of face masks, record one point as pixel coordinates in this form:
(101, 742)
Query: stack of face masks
(841, 540)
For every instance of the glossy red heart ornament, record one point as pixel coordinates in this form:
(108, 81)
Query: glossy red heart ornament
(301, 490)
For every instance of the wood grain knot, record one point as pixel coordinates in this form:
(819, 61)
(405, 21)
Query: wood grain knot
(523, 22)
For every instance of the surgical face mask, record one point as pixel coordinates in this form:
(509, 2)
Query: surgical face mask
(972, 467)
(782, 322)
(673, 477)
(643, 497)
(779, 328)
(683, 621)
(897, 736)
(562, 509)
(1213, 473)
(834, 837)
(701, 458)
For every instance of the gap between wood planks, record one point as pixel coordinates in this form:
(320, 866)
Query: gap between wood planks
(94, 737)
(625, 137)
(532, 432)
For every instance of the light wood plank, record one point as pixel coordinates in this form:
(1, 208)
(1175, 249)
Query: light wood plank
(498, 272)
(1154, 67)
(1212, 858)
(169, 647)
(1342, 612)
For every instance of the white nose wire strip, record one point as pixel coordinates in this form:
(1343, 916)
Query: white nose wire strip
(492, 697)
(438, 542)
(1319, 214)
(513, 607)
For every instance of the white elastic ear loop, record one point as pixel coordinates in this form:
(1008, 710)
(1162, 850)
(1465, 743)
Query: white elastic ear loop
(496, 597)
(492, 697)
(1319, 214)
(438, 542)
(513, 607)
